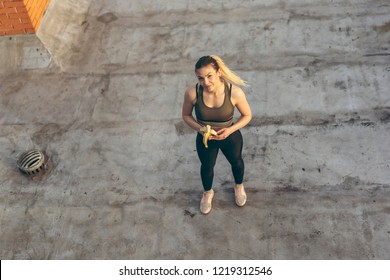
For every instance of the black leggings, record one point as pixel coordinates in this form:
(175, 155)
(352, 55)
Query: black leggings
(231, 147)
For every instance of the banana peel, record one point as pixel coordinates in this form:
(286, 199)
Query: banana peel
(207, 133)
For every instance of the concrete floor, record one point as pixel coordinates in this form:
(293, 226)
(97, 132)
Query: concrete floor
(100, 89)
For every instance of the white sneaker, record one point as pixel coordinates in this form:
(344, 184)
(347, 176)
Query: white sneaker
(205, 203)
(240, 195)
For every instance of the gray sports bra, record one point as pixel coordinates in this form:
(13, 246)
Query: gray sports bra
(215, 117)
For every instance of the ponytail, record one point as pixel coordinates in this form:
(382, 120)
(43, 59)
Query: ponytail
(227, 74)
(217, 63)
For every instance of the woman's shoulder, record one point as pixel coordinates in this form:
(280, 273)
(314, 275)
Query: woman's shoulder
(191, 93)
(191, 90)
(237, 93)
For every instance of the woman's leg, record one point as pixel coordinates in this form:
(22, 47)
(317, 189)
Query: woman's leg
(232, 149)
(207, 157)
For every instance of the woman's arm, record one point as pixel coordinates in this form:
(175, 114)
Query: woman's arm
(238, 100)
(188, 105)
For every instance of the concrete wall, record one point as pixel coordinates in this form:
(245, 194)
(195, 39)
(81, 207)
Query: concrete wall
(107, 110)
(23, 52)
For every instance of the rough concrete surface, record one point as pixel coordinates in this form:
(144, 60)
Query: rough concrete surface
(99, 89)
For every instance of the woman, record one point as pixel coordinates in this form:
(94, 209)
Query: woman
(214, 98)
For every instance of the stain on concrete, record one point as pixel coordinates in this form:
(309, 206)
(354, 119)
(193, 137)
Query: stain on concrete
(101, 85)
(10, 86)
(189, 213)
(288, 188)
(383, 114)
(346, 30)
(382, 28)
(307, 119)
(341, 85)
(85, 24)
(183, 129)
(107, 18)
(364, 118)
(51, 132)
(350, 182)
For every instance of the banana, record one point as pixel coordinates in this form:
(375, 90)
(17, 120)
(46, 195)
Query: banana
(207, 134)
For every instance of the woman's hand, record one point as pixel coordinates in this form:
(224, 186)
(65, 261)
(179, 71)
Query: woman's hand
(222, 134)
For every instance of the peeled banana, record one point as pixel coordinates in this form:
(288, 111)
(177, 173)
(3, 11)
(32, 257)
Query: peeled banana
(207, 134)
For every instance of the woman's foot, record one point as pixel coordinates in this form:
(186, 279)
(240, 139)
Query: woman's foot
(205, 203)
(240, 195)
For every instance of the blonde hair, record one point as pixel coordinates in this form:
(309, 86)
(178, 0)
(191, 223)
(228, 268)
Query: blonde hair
(218, 64)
